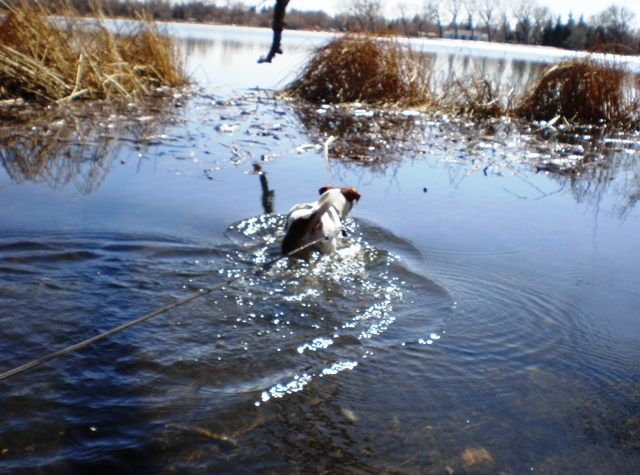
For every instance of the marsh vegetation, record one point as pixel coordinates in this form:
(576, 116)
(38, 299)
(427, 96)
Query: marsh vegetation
(49, 53)
(381, 70)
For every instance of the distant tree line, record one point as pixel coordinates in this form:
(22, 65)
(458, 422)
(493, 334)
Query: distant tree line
(519, 21)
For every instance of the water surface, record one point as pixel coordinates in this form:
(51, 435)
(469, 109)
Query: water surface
(480, 317)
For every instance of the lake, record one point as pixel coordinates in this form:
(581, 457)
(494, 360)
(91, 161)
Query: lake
(481, 315)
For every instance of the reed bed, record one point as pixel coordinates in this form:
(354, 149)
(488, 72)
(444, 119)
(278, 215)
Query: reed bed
(366, 69)
(49, 53)
(476, 97)
(581, 90)
(380, 71)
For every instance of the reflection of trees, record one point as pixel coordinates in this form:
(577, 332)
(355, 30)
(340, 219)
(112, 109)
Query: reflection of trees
(196, 45)
(56, 158)
(369, 142)
(74, 144)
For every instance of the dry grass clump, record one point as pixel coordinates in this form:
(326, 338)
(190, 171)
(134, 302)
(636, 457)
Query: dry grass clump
(47, 52)
(363, 69)
(580, 90)
(379, 70)
(478, 97)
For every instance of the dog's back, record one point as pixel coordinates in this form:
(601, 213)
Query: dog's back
(311, 222)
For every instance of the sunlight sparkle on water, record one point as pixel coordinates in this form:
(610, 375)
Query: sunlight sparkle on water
(318, 343)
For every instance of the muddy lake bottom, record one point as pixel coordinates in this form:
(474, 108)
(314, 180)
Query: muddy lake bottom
(481, 315)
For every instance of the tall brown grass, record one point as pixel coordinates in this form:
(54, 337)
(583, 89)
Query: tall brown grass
(478, 97)
(48, 52)
(580, 90)
(360, 68)
(380, 70)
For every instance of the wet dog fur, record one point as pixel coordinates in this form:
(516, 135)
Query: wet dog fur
(308, 222)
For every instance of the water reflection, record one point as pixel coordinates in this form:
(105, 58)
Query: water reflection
(536, 315)
(76, 144)
(506, 73)
(591, 162)
(200, 46)
(268, 196)
(608, 166)
(373, 138)
(58, 157)
(224, 56)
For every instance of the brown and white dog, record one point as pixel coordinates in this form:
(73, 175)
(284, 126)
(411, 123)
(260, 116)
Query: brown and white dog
(309, 222)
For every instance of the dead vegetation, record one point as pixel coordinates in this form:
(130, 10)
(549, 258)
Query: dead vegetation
(49, 53)
(479, 97)
(581, 90)
(381, 71)
(363, 68)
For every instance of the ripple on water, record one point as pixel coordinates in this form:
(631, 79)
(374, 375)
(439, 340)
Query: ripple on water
(358, 336)
(298, 324)
(329, 309)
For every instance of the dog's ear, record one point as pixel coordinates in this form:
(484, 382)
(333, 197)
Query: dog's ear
(351, 194)
(325, 188)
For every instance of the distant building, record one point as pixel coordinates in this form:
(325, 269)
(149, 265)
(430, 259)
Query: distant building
(464, 34)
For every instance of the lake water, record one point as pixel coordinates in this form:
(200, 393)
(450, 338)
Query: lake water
(481, 315)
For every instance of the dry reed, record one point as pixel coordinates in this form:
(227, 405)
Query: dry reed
(48, 52)
(581, 90)
(478, 97)
(366, 69)
(380, 70)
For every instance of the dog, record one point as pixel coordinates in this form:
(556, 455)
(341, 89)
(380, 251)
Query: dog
(309, 222)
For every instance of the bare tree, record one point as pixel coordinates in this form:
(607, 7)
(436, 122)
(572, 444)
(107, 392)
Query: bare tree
(541, 16)
(403, 9)
(435, 13)
(505, 26)
(454, 7)
(523, 13)
(421, 19)
(530, 18)
(368, 13)
(471, 8)
(488, 10)
(616, 21)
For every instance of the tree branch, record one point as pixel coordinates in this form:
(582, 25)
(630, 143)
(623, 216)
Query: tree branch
(277, 27)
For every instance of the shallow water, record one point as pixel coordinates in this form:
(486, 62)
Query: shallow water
(480, 317)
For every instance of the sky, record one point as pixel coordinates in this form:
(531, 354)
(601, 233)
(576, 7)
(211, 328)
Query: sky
(557, 7)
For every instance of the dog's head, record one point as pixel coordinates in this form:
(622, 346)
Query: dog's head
(351, 197)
